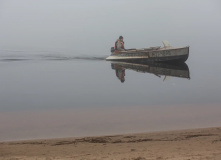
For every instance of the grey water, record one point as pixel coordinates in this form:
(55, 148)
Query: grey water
(55, 81)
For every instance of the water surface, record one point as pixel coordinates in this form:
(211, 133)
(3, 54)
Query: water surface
(55, 81)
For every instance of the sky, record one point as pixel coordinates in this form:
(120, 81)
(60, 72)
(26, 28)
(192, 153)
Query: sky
(82, 26)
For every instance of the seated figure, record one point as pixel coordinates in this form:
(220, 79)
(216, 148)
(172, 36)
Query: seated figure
(119, 44)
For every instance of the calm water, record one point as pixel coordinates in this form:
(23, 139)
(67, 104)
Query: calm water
(55, 81)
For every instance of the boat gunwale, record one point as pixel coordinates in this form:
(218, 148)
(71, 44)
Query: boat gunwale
(147, 51)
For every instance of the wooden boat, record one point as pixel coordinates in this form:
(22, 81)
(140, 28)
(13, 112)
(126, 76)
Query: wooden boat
(151, 54)
(180, 70)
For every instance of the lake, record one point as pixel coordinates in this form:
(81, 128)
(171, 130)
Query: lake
(55, 81)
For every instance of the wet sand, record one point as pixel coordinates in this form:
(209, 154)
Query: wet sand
(196, 144)
(84, 122)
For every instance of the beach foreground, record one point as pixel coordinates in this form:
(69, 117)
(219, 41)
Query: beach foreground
(197, 144)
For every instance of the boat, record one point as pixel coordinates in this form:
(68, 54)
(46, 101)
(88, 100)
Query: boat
(151, 54)
(180, 70)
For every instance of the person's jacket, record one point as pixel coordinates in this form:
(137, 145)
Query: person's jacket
(119, 45)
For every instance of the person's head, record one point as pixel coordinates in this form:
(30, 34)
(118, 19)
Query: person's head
(121, 37)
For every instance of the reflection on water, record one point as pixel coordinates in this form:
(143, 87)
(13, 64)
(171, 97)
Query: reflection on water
(180, 70)
(73, 99)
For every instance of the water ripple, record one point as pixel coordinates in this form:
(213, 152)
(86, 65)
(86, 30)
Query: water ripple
(14, 58)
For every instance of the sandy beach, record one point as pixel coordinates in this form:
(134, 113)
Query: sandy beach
(194, 144)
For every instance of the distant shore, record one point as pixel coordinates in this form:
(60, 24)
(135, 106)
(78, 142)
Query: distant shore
(197, 144)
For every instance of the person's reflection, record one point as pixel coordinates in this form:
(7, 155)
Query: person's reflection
(120, 73)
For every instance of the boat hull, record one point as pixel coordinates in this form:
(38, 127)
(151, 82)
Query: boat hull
(159, 55)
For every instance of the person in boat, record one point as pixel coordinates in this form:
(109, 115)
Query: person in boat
(119, 44)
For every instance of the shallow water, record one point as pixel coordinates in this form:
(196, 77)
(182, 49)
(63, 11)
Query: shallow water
(47, 96)
(56, 89)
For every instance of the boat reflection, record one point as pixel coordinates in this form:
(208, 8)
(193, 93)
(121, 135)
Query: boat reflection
(180, 70)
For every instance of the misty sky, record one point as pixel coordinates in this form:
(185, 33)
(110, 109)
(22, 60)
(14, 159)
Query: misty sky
(93, 25)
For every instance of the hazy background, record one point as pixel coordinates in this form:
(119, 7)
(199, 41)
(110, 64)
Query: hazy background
(92, 26)
(55, 82)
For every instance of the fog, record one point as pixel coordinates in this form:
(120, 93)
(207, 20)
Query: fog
(42, 75)
(91, 27)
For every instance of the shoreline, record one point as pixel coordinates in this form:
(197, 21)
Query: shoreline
(202, 143)
(107, 135)
(58, 123)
